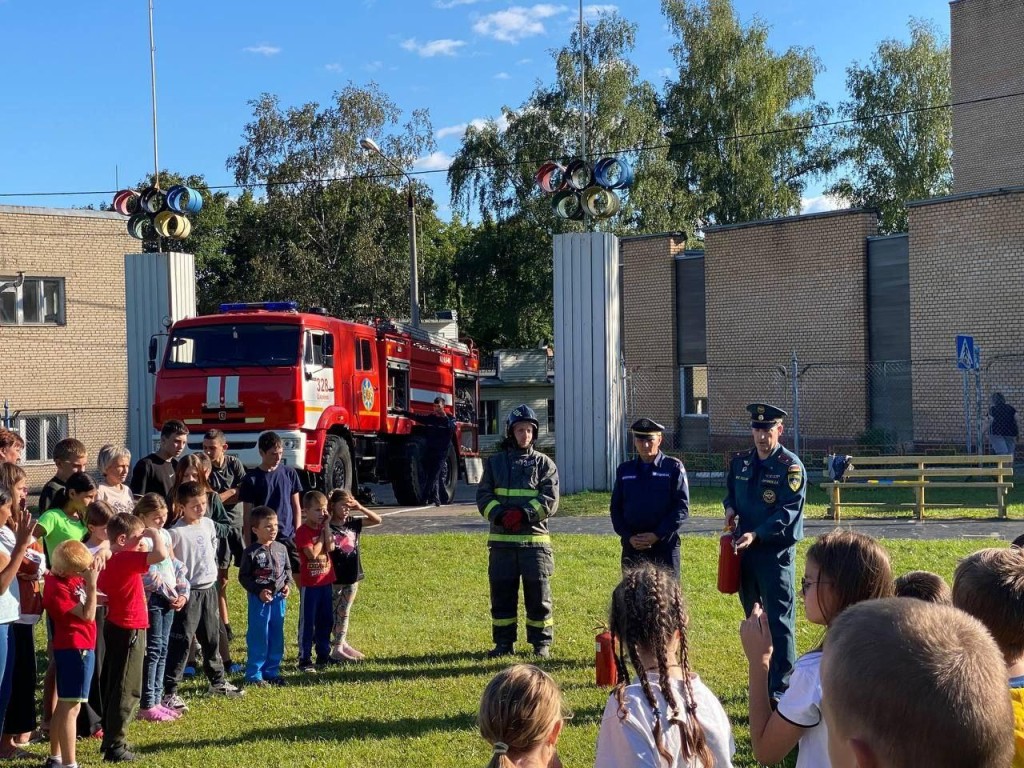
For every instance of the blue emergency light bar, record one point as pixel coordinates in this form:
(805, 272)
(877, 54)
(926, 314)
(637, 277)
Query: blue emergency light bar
(269, 306)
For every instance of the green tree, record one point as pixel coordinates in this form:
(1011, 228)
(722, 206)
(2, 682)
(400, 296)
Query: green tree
(508, 257)
(898, 146)
(331, 229)
(736, 116)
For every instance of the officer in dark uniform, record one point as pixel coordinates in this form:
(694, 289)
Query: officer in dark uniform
(650, 500)
(766, 488)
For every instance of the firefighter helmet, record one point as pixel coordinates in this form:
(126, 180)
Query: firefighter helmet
(522, 413)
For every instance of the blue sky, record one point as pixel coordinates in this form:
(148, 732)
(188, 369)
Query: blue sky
(76, 94)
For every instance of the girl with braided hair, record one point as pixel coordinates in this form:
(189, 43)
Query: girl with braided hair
(667, 717)
(521, 715)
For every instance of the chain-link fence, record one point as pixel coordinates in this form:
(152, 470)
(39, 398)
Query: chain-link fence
(892, 407)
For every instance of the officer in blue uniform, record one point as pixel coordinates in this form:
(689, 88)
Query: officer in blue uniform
(650, 500)
(767, 487)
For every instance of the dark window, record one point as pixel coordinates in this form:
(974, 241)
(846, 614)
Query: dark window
(551, 416)
(366, 354)
(41, 433)
(488, 422)
(314, 354)
(241, 345)
(38, 301)
(695, 390)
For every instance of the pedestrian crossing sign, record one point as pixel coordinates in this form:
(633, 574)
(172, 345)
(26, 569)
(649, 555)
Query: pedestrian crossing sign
(966, 360)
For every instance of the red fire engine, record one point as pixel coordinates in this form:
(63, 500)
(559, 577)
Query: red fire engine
(328, 387)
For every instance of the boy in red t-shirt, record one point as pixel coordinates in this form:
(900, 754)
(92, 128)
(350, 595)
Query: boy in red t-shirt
(125, 629)
(314, 541)
(69, 598)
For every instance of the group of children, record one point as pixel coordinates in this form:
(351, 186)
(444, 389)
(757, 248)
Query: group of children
(133, 582)
(908, 673)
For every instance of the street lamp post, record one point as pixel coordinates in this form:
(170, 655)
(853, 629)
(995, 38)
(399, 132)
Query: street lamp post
(414, 280)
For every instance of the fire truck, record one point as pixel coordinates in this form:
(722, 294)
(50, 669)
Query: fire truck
(333, 390)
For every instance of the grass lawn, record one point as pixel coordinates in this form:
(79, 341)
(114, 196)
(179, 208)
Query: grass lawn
(706, 501)
(422, 618)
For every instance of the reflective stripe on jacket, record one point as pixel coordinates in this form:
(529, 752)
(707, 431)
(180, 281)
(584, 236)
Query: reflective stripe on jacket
(522, 478)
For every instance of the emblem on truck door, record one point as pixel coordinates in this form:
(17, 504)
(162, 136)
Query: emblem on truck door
(366, 390)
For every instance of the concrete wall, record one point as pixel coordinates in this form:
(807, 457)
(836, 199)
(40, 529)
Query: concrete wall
(987, 47)
(78, 368)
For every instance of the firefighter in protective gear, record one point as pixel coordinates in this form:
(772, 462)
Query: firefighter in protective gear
(517, 494)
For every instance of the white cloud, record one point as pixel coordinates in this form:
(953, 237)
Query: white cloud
(373, 66)
(516, 22)
(521, 62)
(595, 11)
(263, 49)
(503, 76)
(446, 4)
(477, 122)
(821, 203)
(433, 48)
(435, 161)
(333, 67)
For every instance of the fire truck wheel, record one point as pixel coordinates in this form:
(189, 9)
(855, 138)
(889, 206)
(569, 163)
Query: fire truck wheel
(406, 471)
(450, 473)
(337, 471)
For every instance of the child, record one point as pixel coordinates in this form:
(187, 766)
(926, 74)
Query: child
(196, 468)
(923, 585)
(97, 515)
(521, 716)
(989, 585)
(314, 541)
(113, 463)
(908, 683)
(11, 557)
(167, 589)
(277, 486)
(842, 568)
(668, 716)
(124, 632)
(66, 518)
(21, 721)
(69, 456)
(265, 573)
(155, 472)
(90, 716)
(348, 569)
(195, 542)
(69, 597)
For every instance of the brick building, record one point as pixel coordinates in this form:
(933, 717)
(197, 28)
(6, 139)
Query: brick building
(872, 320)
(62, 329)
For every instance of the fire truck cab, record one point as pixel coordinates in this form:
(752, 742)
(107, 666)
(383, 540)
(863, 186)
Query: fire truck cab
(332, 389)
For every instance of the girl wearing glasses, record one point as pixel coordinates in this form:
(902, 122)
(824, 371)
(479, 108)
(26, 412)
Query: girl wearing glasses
(842, 568)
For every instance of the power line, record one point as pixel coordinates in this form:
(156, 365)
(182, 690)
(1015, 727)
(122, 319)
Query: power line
(633, 150)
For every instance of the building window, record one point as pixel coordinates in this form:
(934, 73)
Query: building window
(41, 433)
(488, 421)
(695, 390)
(551, 416)
(37, 301)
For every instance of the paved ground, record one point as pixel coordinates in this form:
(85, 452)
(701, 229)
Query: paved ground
(463, 516)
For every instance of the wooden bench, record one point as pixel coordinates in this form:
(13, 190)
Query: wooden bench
(921, 473)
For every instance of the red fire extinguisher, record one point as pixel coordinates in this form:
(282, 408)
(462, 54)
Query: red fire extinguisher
(728, 563)
(604, 660)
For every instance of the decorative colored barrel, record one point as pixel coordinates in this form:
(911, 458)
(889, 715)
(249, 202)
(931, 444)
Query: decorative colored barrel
(182, 199)
(140, 226)
(153, 200)
(168, 224)
(126, 202)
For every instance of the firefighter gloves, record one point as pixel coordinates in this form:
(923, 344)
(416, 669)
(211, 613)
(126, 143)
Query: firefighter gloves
(512, 519)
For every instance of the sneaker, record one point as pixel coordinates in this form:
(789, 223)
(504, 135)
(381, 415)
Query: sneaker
(225, 689)
(338, 653)
(155, 715)
(306, 665)
(119, 755)
(275, 682)
(175, 702)
(500, 650)
(351, 653)
(97, 734)
(543, 651)
(172, 713)
(256, 684)
(189, 672)
(53, 761)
